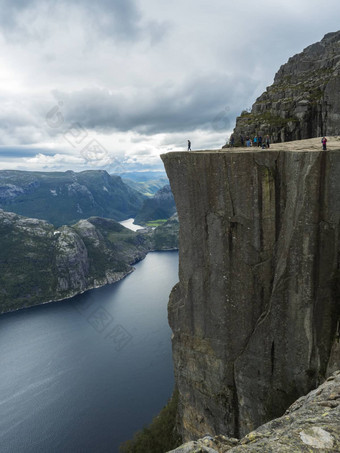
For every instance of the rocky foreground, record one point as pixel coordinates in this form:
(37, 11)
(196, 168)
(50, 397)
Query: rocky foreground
(311, 424)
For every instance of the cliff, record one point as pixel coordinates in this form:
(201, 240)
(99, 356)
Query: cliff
(255, 315)
(304, 100)
(40, 263)
(310, 424)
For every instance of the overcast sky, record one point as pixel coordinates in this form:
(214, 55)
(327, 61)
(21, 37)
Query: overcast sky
(114, 83)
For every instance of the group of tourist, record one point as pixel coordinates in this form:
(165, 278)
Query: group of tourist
(257, 141)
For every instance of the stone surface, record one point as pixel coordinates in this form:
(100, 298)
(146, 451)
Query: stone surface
(256, 312)
(304, 100)
(311, 424)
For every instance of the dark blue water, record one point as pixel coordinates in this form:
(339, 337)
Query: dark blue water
(84, 374)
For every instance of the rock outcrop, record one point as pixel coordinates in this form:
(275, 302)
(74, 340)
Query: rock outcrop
(40, 263)
(255, 315)
(311, 424)
(304, 100)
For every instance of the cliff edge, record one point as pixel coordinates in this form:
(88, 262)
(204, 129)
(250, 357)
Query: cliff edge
(255, 315)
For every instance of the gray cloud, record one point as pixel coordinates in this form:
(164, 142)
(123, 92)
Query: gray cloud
(119, 19)
(205, 102)
(140, 76)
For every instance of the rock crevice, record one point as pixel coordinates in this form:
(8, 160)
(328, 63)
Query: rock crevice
(255, 313)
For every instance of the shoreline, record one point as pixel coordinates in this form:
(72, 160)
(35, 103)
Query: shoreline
(77, 293)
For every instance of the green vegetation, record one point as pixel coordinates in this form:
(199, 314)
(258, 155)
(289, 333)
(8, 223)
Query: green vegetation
(258, 119)
(160, 436)
(156, 223)
(39, 263)
(165, 236)
(315, 96)
(27, 267)
(245, 113)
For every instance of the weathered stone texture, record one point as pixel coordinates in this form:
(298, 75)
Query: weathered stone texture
(304, 100)
(311, 424)
(256, 310)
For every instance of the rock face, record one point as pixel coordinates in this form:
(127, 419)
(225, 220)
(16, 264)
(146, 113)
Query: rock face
(312, 423)
(255, 315)
(39, 263)
(304, 100)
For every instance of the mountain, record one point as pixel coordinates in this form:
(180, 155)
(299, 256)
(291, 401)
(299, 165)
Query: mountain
(66, 197)
(41, 263)
(304, 100)
(165, 236)
(161, 206)
(143, 176)
(147, 188)
(145, 182)
(255, 315)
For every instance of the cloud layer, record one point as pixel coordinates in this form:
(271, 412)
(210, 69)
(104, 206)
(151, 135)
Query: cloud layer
(138, 78)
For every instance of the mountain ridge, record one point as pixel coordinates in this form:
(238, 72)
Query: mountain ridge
(304, 100)
(40, 263)
(66, 197)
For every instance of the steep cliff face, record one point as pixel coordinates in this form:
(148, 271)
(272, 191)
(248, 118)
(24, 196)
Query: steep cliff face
(304, 100)
(256, 311)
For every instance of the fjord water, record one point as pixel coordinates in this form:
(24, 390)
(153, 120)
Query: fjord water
(129, 224)
(83, 375)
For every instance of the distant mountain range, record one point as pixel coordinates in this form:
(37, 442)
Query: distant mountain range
(66, 197)
(147, 188)
(143, 176)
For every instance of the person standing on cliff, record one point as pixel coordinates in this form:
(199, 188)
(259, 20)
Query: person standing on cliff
(267, 141)
(189, 145)
(324, 143)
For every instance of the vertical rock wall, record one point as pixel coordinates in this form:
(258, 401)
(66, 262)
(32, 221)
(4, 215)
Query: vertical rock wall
(304, 100)
(256, 310)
